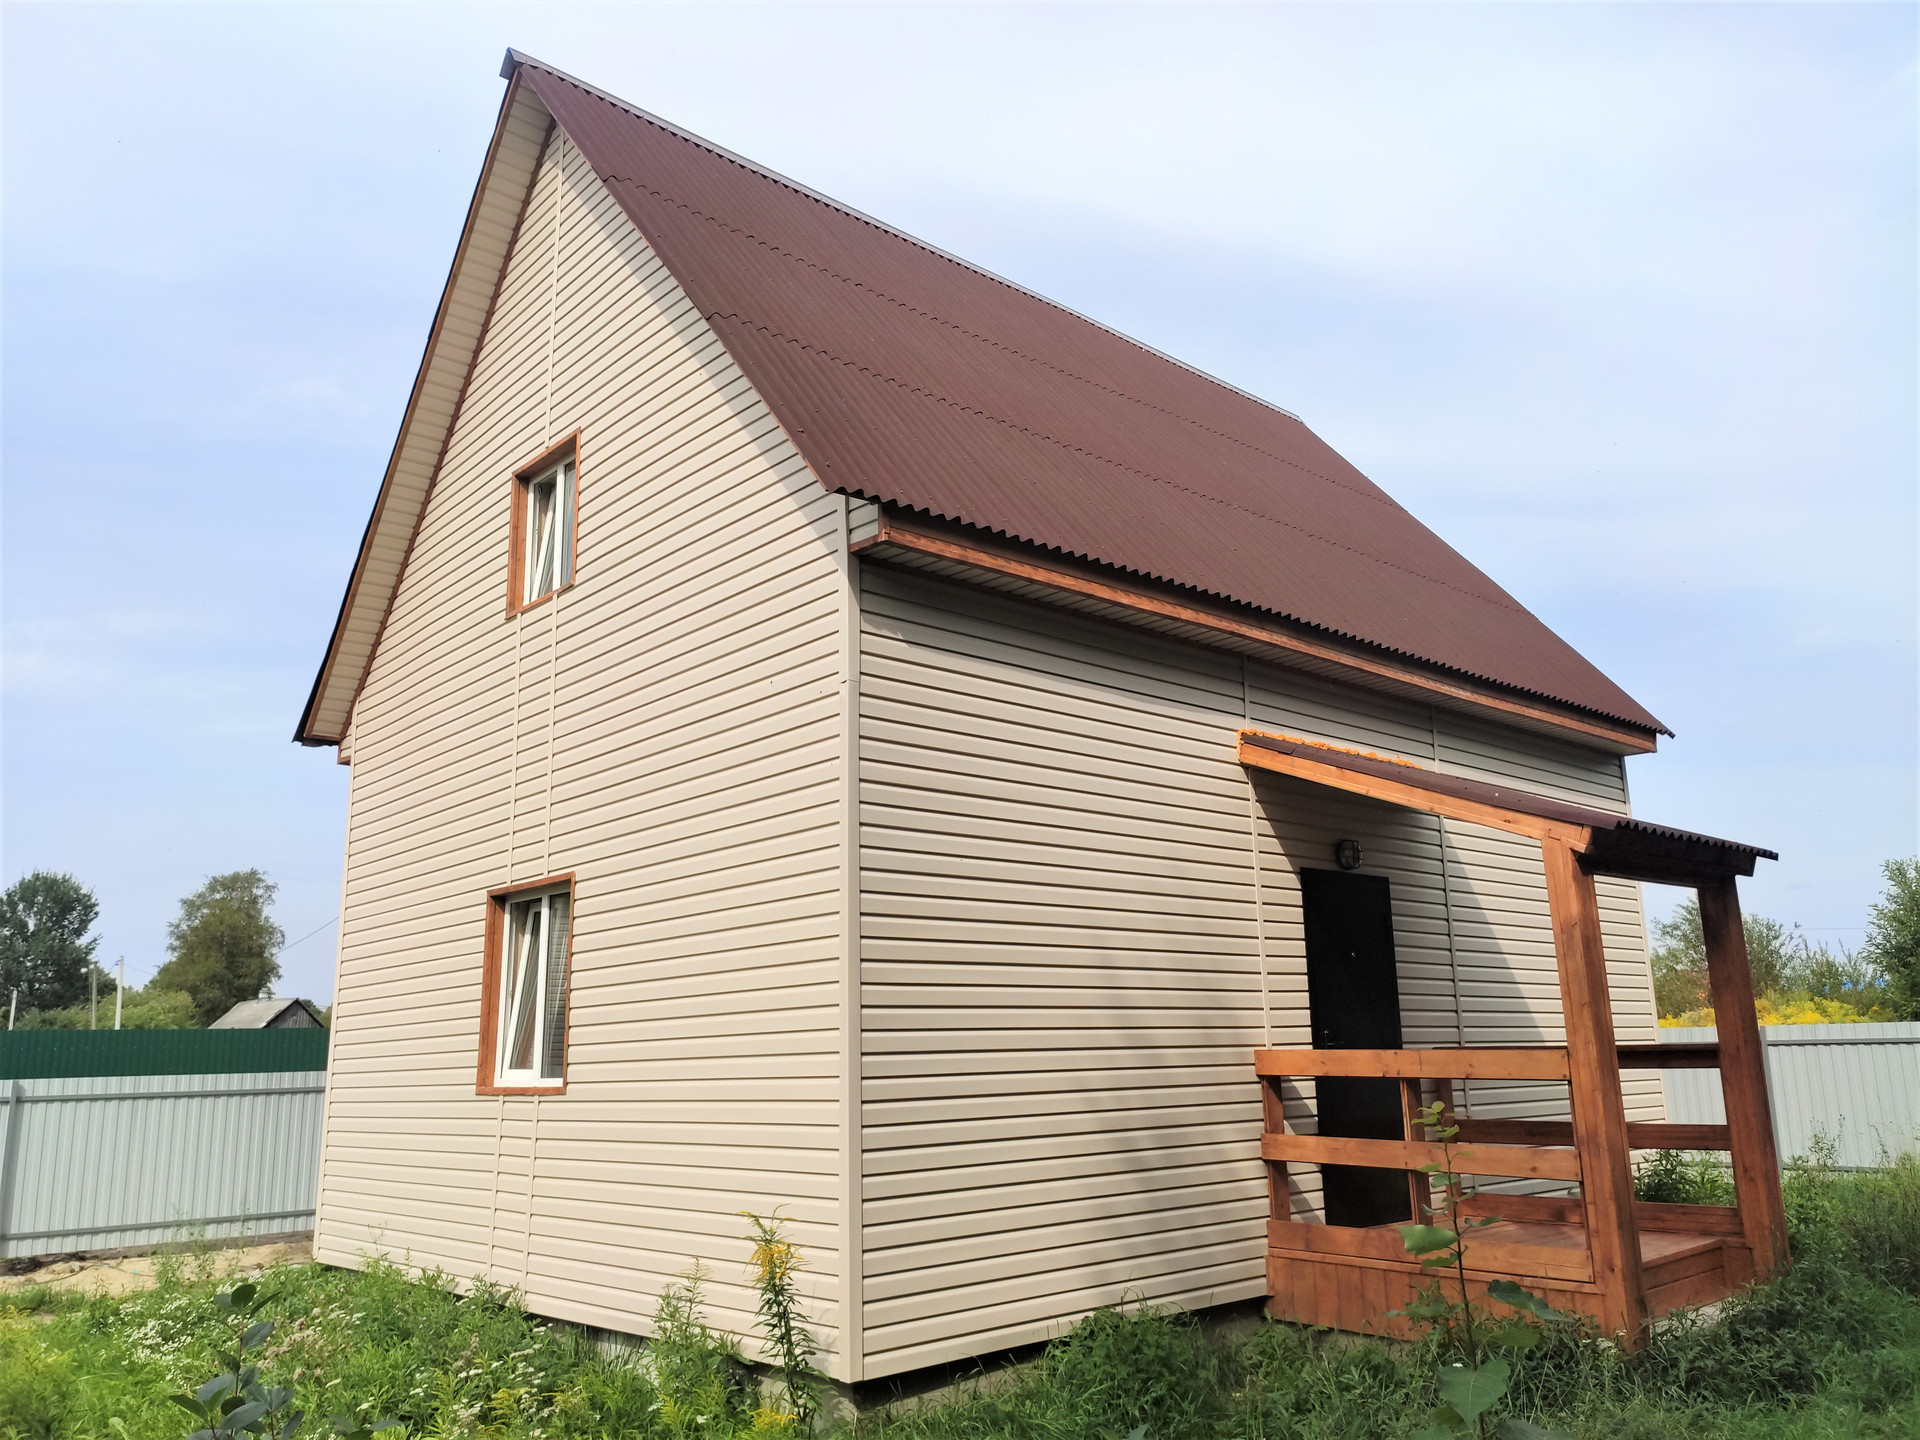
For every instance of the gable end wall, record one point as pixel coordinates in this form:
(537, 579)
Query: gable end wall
(669, 731)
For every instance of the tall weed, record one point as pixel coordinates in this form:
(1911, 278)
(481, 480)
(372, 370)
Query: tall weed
(1865, 1220)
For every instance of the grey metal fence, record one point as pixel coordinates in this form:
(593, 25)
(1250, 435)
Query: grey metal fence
(93, 1162)
(1858, 1085)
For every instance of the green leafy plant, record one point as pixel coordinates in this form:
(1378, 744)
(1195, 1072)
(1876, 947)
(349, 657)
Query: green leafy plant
(697, 1370)
(234, 1402)
(775, 1265)
(1472, 1385)
(1675, 1177)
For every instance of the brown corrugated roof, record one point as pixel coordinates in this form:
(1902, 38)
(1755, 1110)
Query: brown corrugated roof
(909, 377)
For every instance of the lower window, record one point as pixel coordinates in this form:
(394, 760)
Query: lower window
(528, 984)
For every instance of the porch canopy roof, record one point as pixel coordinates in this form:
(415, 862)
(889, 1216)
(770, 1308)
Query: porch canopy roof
(1605, 843)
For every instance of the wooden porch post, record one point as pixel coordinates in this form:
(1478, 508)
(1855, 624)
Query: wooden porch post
(1599, 1113)
(1743, 1078)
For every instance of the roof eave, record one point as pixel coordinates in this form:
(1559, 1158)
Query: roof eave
(330, 702)
(1241, 626)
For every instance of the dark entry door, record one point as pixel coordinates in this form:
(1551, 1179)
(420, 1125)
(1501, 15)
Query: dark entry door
(1353, 992)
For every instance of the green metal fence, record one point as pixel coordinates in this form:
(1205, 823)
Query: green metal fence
(54, 1054)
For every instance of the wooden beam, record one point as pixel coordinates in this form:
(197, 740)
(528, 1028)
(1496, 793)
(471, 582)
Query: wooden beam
(1599, 1116)
(1273, 1113)
(1743, 1079)
(1516, 1161)
(1668, 1057)
(1641, 1134)
(1536, 1062)
(1540, 1209)
(1413, 797)
(1419, 1187)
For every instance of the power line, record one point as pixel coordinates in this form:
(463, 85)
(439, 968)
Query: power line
(306, 937)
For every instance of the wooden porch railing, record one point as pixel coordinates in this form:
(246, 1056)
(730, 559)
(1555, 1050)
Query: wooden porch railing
(1593, 1148)
(1519, 1149)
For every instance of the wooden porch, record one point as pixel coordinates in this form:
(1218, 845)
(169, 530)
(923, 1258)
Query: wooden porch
(1598, 1251)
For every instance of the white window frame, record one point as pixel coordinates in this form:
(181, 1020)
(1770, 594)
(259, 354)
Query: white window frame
(548, 548)
(516, 973)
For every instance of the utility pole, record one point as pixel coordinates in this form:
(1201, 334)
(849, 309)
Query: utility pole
(93, 997)
(13, 1004)
(119, 991)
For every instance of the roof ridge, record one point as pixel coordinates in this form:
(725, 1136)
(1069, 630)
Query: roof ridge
(515, 59)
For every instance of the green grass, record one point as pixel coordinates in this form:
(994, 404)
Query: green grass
(1830, 1349)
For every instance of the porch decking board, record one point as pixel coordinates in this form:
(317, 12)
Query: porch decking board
(1650, 1215)
(1359, 1295)
(1544, 1255)
(1349, 1279)
(1693, 1279)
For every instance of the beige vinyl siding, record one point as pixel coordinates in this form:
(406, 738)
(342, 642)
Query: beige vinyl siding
(1069, 953)
(1500, 908)
(1061, 981)
(1473, 937)
(668, 731)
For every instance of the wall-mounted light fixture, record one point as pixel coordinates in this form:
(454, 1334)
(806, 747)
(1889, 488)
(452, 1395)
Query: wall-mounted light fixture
(1347, 852)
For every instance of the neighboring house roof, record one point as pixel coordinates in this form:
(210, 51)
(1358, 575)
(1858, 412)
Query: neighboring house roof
(271, 1013)
(906, 376)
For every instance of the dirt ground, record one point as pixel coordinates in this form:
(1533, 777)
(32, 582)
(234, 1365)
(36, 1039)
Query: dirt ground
(121, 1274)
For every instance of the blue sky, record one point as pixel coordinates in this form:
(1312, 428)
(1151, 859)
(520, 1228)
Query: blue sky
(1620, 300)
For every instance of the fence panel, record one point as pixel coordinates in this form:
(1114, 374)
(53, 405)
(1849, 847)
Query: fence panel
(112, 1140)
(1858, 1085)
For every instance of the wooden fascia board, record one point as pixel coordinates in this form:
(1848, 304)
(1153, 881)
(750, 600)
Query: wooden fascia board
(1119, 592)
(1413, 797)
(440, 383)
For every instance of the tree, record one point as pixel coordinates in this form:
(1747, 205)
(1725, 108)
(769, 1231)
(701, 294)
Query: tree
(222, 948)
(1777, 959)
(1893, 936)
(44, 950)
(140, 1010)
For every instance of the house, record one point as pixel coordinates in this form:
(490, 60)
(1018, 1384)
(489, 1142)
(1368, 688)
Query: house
(833, 731)
(270, 1012)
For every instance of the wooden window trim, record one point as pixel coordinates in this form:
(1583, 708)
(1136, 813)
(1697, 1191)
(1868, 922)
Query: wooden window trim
(497, 901)
(566, 447)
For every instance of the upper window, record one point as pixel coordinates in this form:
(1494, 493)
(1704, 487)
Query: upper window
(529, 989)
(546, 532)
